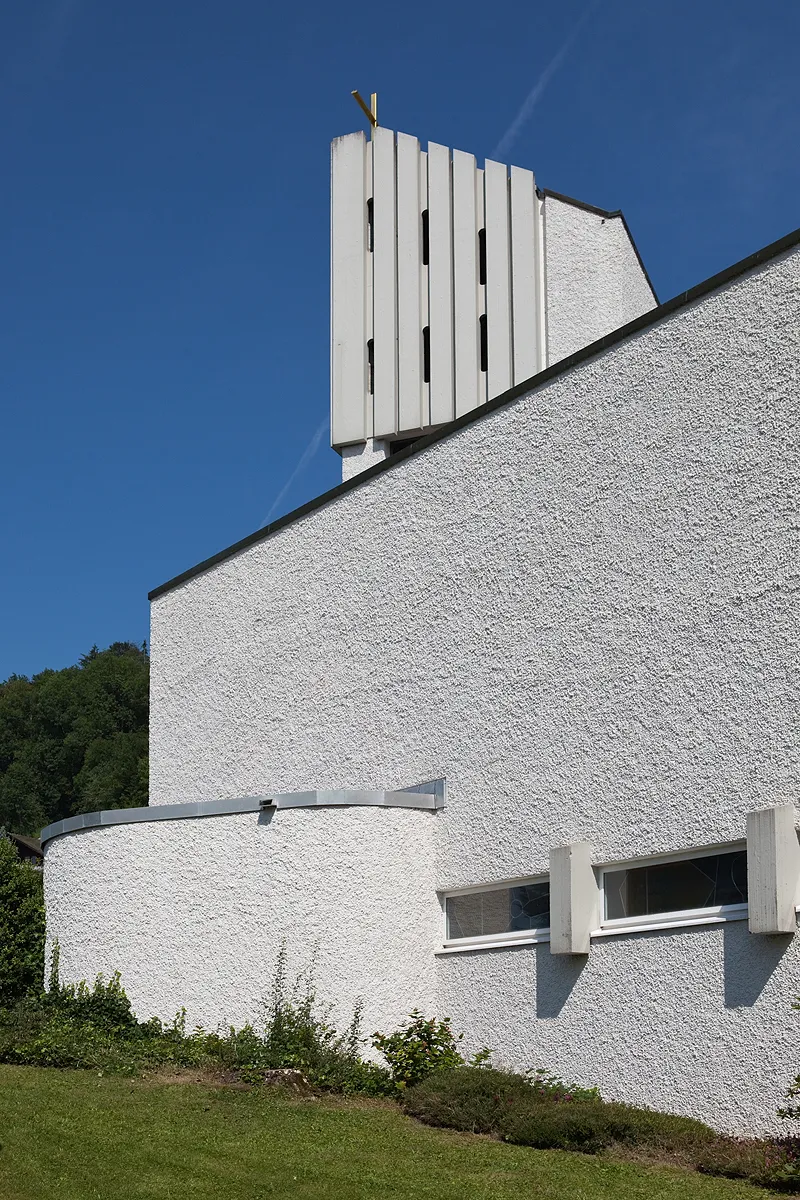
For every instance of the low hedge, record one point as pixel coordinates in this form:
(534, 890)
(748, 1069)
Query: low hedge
(471, 1099)
(546, 1113)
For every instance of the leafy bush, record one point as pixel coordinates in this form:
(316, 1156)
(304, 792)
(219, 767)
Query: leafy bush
(21, 926)
(42, 1034)
(74, 1025)
(104, 1004)
(298, 1034)
(587, 1125)
(418, 1048)
(791, 1111)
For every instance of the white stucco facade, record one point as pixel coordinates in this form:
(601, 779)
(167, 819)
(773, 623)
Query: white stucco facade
(581, 609)
(595, 281)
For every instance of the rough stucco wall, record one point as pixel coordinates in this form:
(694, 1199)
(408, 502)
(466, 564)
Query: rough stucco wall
(594, 281)
(696, 1020)
(581, 610)
(359, 457)
(193, 912)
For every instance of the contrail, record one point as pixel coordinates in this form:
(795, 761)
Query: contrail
(303, 461)
(532, 99)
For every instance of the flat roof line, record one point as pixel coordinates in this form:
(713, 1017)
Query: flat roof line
(682, 300)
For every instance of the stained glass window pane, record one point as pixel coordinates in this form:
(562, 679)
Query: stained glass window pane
(501, 910)
(706, 882)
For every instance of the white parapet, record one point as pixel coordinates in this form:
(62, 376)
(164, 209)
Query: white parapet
(773, 869)
(574, 899)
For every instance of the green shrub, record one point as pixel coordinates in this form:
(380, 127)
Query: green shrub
(21, 926)
(43, 1035)
(592, 1125)
(104, 1004)
(74, 1025)
(467, 1098)
(298, 1034)
(539, 1109)
(480, 1099)
(587, 1125)
(551, 1087)
(771, 1162)
(418, 1048)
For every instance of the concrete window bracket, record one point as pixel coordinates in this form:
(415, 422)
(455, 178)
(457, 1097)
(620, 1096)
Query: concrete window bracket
(773, 870)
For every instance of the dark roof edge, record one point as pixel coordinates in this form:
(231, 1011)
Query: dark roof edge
(604, 212)
(592, 208)
(520, 389)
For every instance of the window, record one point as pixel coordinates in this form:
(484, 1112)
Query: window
(492, 912)
(705, 883)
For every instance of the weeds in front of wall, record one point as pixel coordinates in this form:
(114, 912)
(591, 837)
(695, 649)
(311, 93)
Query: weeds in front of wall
(77, 1025)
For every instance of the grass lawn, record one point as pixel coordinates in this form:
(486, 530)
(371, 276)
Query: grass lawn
(74, 1135)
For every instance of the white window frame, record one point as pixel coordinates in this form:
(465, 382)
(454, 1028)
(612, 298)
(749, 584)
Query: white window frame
(675, 917)
(491, 941)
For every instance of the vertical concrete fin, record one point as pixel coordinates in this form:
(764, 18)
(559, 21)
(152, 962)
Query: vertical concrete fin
(384, 312)
(574, 899)
(424, 309)
(480, 221)
(773, 869)
(440, 282)
(465, 281)
(348, 269)
(498, 278)
(409, 268)
(524, 274)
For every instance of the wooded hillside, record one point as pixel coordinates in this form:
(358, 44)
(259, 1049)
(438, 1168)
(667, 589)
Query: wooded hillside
(74, 740)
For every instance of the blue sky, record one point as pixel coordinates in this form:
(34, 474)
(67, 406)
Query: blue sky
(164, 232)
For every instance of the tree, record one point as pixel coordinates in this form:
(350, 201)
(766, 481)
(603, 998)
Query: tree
(75, 740)
(21, 926)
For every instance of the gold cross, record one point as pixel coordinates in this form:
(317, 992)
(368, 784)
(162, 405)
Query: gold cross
(370, 113)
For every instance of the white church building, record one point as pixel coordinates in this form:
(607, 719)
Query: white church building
(504, 726)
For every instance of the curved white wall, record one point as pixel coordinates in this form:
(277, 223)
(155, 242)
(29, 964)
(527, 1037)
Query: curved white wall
(194, 911)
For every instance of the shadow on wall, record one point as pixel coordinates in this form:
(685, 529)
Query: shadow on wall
(750, 959)
(749, 962)
(556, 976)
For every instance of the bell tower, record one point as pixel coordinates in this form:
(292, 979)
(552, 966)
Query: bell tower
(439, 297)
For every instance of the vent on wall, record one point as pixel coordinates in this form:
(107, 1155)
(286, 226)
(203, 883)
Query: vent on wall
(437, 289)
